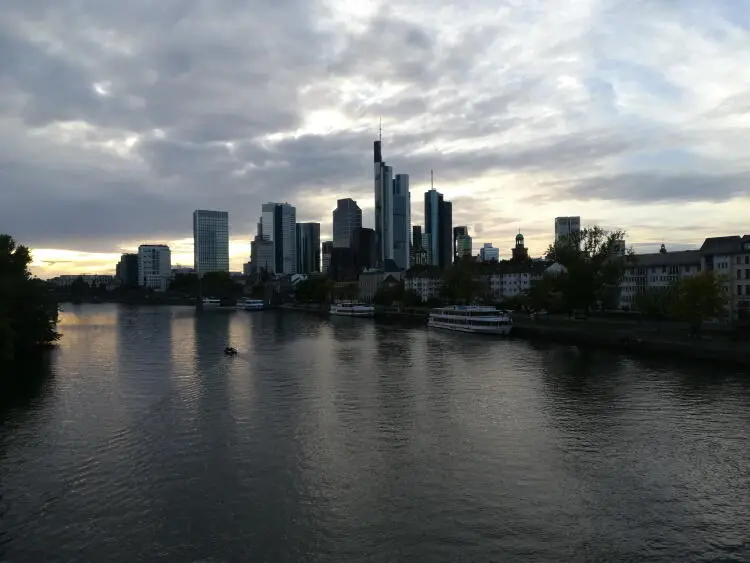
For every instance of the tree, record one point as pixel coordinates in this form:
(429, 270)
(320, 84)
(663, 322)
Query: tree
(594, 268)
(28, 309)
(699, 298)
(656, 303)
(221, 285)
(460, 283)
(186, 284)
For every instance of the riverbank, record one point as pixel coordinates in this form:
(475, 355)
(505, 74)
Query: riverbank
(717, 344)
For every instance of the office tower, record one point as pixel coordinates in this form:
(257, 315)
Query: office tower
(210, 241)
(462, 243)
(401, 221)
(438, 228)
(565, 226)
(416, 242)
(154, 266)
(363, 244)
(279, 226)
(489, 253)
(327, 250)
(308, 248)
(346, 218)
(127, 270)
(261, 255)
(383, 206)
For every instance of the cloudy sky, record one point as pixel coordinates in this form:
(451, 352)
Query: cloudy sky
(118, 119)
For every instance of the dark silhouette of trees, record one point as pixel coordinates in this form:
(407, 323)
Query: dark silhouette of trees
(28, 309)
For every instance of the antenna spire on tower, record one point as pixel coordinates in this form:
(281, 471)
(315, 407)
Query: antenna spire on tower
(380, 128)
(432, 183)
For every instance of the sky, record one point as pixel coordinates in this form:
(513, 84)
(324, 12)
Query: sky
(118, 119)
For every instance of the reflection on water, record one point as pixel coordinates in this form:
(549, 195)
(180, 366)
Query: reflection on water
(336, 439)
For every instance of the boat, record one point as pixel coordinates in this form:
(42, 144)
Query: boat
(471, 318)
(247, 304)
(211, 302)
(350, 309)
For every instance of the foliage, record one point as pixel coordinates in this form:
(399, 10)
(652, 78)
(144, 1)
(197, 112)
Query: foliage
(186, 284)
(28, 310)
(545, 294)
(388, 295)
(314, 289)
(221, 285)
(699, 298)
(594, 270)
(657, 303)
(460, 282)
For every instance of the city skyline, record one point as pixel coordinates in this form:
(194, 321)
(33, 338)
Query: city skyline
(113, 135)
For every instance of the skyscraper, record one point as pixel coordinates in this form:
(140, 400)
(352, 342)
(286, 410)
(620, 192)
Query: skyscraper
(327, 250)
(210, 241)
(401, 221)
(347, 217)
(383, 206)
(308, 248)
(416, 243)
(363, 244)
(279, 226)
(565, 226)
(462, 244)
(438, 228)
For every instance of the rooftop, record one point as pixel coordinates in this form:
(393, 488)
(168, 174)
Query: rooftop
(676, 258)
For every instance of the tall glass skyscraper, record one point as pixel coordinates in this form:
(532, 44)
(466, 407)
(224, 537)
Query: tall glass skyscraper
(308, 248)
(383, 206)
(438, 226)
(279, 226)
(347, 218)
(401, 220)
(210, 241)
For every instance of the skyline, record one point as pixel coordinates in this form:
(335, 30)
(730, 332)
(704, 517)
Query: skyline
(121, 120)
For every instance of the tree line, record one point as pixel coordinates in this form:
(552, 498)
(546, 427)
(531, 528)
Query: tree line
(28, 309)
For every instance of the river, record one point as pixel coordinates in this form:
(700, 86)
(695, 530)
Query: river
(346, 440)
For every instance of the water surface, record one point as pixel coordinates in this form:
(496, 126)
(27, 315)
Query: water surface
(346, 440)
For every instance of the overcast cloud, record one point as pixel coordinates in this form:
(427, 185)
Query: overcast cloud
(118, 119)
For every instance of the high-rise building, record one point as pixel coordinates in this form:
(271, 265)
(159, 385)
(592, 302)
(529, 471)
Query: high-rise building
(308, 248)
(363, 244)
(210, 241)
(416, 243)
(127, 270)
(347, 217)
(327, 250)
(261, 255)
(154, 266)
(383, 206)
(565, 226)
(279, 226)
(462, 243)
(438, 215)
(489, 253)
(401, 221)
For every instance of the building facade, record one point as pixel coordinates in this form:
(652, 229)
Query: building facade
(210, 241)
(363, 244)
(279, 226)
(401, 221)
(729, 258)
(383, 175)
(326, 251)
(438, 215)
(656, 271)
(489, 253)
(154, 266)
(127, 270)
(347, 217)
(308, 248)
(565, 226)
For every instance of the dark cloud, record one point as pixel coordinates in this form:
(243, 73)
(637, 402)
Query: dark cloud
(646, 187)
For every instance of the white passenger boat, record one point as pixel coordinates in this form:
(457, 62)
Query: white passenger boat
(349, 309)
(211, 302)
(471, 318)
(246, 304)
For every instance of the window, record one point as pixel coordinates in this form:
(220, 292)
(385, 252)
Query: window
(739, 274)
(739, 260)
(747, 273)
(747, 259)
(739, 290)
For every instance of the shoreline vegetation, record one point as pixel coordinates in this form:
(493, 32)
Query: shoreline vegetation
(28, 312)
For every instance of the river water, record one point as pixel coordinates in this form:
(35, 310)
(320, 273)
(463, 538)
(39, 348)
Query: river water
(346, 440)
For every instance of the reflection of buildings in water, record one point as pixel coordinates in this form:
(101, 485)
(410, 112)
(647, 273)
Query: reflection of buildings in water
(211, 329)
(348, 328)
